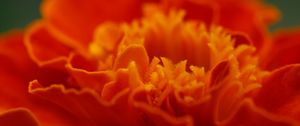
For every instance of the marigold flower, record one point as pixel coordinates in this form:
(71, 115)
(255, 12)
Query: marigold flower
(150, 62)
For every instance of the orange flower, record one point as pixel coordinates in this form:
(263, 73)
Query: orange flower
(163, 62)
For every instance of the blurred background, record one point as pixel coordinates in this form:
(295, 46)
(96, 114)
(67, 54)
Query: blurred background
(18, 13)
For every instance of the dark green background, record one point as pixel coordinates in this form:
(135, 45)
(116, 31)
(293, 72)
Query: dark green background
(18, 13)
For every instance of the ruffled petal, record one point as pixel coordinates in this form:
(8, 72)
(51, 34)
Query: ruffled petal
(79, 69)
(16, 70)
(43, 48)
(87, 106)
(128, 78)
(136, 53)
(105, 78)
(250, 17)
(152, 115)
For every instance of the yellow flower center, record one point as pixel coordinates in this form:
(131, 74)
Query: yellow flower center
(166, 36)
(179, 43)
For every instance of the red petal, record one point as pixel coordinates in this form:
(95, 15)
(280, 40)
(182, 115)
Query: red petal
(43, 48)
(249, 115)
(196, 10)
(87, 106)
(240, 39)
(16, 69)
(219, 73)
(251, 17)
(152, 115)
(207, 14)
(201, 111)
(18, 117)
(13, 54)
(284, 50)
(86, 79)
(280, 92)
(75, 21)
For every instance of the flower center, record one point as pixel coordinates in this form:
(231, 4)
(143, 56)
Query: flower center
(166, 35)
(172, 37)
(184, 55)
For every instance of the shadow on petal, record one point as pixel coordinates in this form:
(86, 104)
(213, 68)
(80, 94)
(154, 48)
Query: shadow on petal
(18, 117)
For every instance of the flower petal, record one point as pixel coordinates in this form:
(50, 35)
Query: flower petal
(12, 52)
(227, 101)
(43, 48)
(87, 106)
(16, 69)
(153, 115)
(125, 79)
(280, 92)
(75, 21)
(208, 10)
(241, 38)
(284, 50)
(87, 79)
(251, 17)
(17, 117)
(219, 73)
(136, 53)
(250, 115)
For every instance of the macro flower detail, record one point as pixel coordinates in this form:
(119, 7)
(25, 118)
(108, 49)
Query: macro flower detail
(151, 63)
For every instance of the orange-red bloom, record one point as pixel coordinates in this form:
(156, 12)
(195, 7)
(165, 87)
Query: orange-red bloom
(150, 62)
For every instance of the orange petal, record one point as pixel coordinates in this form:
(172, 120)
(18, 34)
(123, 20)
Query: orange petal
(136, 53)
(284, 49)
(43, 48)
(75, 21)
(227, 101)
(125, 79)
(280, 92)
(153, 115)
(89, 79)
(18, 117)
(107, 37)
